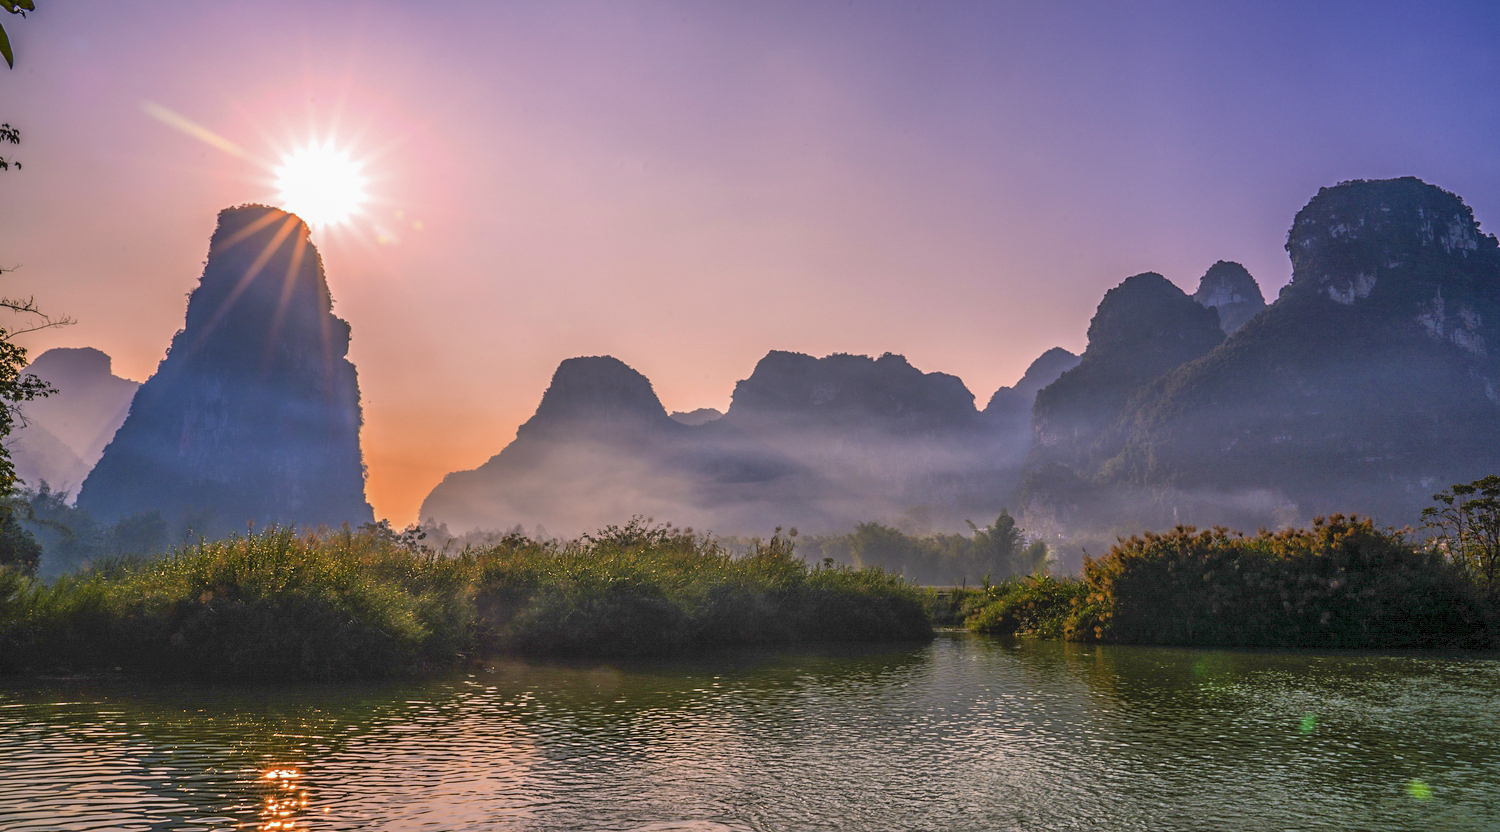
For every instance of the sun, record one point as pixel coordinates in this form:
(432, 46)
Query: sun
(321, 184)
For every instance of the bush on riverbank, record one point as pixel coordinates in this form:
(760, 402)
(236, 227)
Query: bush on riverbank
(366, 604)
(1341, 584)
(1033, 606)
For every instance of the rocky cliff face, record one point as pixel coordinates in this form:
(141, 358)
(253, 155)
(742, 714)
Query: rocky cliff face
(1143, 328)
(880, 435)
(598, 393)
(1368, 385)
(254, 415)
(1230, 290)
(67, 431)
(1007, 417)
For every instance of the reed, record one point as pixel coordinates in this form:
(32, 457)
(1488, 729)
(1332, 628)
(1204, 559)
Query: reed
(275, 605)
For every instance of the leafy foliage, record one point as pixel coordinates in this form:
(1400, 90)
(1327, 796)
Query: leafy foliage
(1038, 605)
(9, 135)
(1466, 525)
(16, 388)
(18, 549)
(1342, 583)
(20, 7)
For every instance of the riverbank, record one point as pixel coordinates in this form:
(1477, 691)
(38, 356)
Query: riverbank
(367, 605)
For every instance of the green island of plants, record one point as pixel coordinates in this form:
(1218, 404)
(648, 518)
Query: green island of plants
(1344, 583)
(362, 604)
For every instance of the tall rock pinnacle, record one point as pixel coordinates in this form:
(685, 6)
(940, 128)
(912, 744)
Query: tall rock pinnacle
(254, 415)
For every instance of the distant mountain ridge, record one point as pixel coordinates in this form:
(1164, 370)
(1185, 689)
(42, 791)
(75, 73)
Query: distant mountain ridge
(1367, 385)
(1143, 328)
(1370, 383)
(806, 441)
(66, 432)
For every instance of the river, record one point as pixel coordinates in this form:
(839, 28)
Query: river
(963, 733)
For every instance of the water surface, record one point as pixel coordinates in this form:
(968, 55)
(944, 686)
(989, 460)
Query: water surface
(963, 733)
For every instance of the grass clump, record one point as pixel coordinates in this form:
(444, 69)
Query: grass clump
(271, 604)
(367, 604)
(630, 591)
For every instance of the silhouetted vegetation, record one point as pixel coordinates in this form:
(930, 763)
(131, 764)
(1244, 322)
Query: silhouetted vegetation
(1342, 583)
(374, 603)
(18, 549)
(9, 135)
(1466, 522)
(20, 7)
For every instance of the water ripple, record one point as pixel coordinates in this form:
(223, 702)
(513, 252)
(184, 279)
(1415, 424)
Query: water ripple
(967, 733)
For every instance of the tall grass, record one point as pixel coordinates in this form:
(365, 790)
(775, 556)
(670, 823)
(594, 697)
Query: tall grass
(363, 604)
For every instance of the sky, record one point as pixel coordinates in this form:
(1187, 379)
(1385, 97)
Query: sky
(686, 186)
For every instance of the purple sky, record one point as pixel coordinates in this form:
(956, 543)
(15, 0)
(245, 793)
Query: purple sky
(688, 185)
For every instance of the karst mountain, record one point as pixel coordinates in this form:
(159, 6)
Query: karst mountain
(253, 417)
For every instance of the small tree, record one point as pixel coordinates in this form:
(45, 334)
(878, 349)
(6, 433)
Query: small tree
(1466, 525)
(1004, 549)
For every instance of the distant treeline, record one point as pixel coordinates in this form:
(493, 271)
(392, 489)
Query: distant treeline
(988, 553)
(40, 531)
(373, 603)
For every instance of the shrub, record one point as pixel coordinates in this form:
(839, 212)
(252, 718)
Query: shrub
(268, 605)
(1032, 606)
(1342, 583)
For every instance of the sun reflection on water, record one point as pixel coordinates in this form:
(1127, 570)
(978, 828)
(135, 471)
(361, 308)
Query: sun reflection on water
(286, 799)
